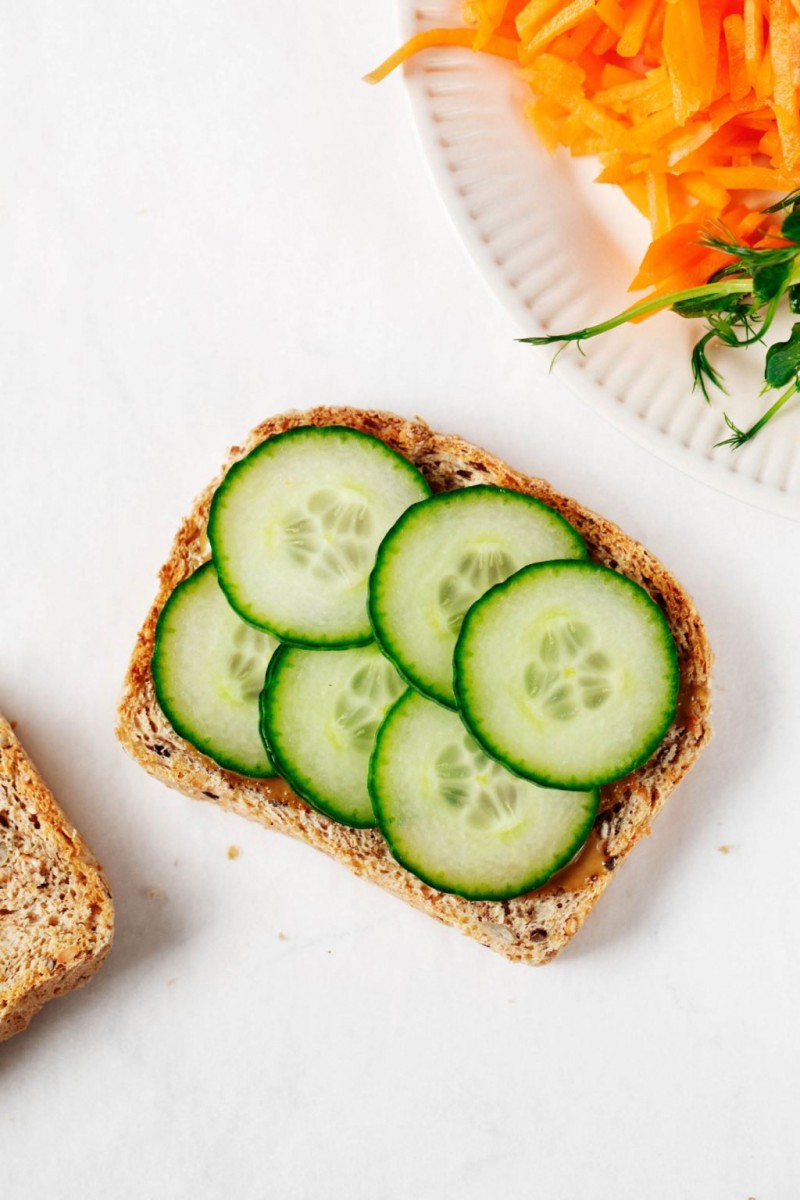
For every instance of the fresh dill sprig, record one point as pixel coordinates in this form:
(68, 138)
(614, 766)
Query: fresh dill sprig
(790, 201)
(738, 304)
(703, 373)
(740, 436)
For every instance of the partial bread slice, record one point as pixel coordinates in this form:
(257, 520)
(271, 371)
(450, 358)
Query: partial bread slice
(531, 928)
(56, 915)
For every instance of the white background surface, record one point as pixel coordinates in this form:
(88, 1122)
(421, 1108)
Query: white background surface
(206, 218)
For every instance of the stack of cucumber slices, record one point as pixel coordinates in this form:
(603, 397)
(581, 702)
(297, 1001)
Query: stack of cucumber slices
(450, 668)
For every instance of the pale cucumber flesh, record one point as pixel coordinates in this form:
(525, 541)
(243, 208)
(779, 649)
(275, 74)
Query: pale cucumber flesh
(567, 673)
(208, 669)
(462, 822)
(295, 525)
(443, 554)
(319, 715)
(564, 674)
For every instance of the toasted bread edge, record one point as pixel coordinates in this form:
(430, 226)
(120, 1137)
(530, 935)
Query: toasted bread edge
(68, 951)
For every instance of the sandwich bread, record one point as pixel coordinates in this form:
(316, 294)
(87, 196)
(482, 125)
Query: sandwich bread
(56, 915)
(531, 928)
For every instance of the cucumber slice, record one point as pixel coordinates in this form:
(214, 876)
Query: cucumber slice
(460, 821)
(295, 525)
(567, 673)
(208, 669)
(320, 712)
(441, 556)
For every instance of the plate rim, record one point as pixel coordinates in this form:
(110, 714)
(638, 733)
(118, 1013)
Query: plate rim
(691, 462)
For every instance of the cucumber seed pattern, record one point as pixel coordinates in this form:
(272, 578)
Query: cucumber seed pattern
(331, 535)
(362, 704)
(476, 571)
(569, 673)
(248, 663)
(484, 790)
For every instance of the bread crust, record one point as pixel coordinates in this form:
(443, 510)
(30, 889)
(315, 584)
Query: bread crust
(531, 928)
(56, 913)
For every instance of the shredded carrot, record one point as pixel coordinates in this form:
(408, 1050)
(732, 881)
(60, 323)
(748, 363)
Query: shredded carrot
(487, 15)
(566, 18)
(738, 81)
(715, 198)
(684, 55)
(753, 38)
(503, 47)
(534, 16)
(611, 14)
(691, 106)
(639, 15)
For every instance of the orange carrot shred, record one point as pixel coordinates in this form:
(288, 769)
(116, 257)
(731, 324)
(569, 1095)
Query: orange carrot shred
(753, 38)
(639, 15)
(568, 17)
(487, 16)
(692, 107)
(503, 47)
(533, 16)
(738, 80)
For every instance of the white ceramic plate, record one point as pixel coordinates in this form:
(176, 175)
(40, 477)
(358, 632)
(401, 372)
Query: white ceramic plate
(559, 251)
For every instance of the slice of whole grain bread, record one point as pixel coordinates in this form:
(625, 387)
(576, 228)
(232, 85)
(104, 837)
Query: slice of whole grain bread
(530, 928)
(56, 915)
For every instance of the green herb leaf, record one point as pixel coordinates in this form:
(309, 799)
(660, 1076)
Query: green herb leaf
(731, 288)
(791, 227)
(703, 373)
(789, 201)
(725, 326)
(741, 436)
(738, 438)
(751, 257)
(719, 237)
(783, 360)
(738, 303)
(770, 280)
(702, 307)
